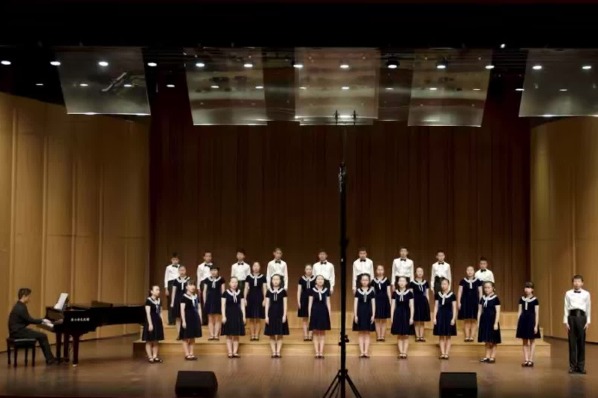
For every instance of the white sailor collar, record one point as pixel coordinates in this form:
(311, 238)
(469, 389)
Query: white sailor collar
(156, 302)
(311, 278)
(194, 297)
(277, 291)
(364, 293)
(376, 280)
(231, 293)
(315, 289)
(256, 276)
(423, 282)
(529, 300)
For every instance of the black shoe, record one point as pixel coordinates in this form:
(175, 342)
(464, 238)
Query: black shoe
(52, 361)
(581, 371)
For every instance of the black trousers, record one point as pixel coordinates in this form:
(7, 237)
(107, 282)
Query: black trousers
(577, 342)
(171, 317)
(41, 338)
(437, 281)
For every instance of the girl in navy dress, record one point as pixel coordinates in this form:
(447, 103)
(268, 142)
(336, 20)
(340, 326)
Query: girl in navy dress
(468, 297)
(527, 323)
(419, 286)
(153, 330)
(276, 315)
(445, 317)
(306, 283)
(489, 328)
(255, 293)
(403, 310)
(213, 289)
(364, 313)
(233, 317)
(381, 286)
(190, 320)
(179, 288)
(319, 314)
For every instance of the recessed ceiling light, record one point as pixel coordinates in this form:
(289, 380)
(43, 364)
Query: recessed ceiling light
(537, 67)
(392, 63)
(5, 62)
(562, 89)
(103, 63)
(152, 64)
(389, 88)
(200, 65)
(259, 87)
(55, 63)
(344, 66)
(489, 66)
(345, 87)
(297, 65)
(214, 86)
(248, 65)
(39, 84)
(303, 88)
(476, 89)
(441, 64)
(128, 85)
(519, 89)
(586, 67)
(83, 84)
(433, 89)
(503, 45)
(170, 85)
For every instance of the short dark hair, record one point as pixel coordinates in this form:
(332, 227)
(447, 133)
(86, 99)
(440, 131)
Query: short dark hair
(175, 255)
(322, 251)
(207, 252)
(402, 247)
(191, 282)
(577, 276)
(529, 285)
(483, 259)
(362, 249)
(440, 251)
(24, 291)
(242, 251)
(277, 249)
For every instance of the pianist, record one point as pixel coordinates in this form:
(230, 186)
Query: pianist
(18, 321)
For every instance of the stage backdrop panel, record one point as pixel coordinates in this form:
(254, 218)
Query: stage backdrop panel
(74, 208)
(461, 189)
(564, 215)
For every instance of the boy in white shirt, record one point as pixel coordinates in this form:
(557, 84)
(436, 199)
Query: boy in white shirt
(484, 274)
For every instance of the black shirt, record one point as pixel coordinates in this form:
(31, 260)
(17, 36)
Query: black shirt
(19, 318)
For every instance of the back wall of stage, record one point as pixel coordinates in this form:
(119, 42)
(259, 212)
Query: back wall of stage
(74, 211)
(564, 216)
(464, 190)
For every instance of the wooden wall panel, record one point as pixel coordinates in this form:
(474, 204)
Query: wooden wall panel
(75, 209)
(464, 190)
(564, 193)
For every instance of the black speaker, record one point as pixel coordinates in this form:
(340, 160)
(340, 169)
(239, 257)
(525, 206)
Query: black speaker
(458, 385)
(196, 384)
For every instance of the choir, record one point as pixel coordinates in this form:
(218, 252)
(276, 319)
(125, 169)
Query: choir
(404, 299)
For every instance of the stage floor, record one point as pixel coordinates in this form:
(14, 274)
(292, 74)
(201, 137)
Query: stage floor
(109, 369)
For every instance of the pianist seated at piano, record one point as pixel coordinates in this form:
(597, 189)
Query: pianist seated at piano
(19, 319)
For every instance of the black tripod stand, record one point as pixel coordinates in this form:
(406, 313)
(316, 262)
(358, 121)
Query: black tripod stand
(338, 385)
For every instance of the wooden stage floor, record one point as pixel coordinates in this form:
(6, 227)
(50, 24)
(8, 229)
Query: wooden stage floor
(108, 368)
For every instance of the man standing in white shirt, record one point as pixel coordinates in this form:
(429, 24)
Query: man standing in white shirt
(440, 269)
(402, 266)
(484, 274)
(278, 266)
(204, 269)
(172, 272)
(363, 265)
(577, 317)
(326, 269)
(240, 270)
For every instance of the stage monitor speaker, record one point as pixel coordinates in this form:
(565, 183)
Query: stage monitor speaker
(458, 385)
(196, 384)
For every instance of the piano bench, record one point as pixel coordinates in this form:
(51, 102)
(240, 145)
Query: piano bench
(15, 344)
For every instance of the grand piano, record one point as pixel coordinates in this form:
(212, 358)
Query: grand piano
(76, 320)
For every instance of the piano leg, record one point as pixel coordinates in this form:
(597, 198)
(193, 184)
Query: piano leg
(58, 346)
(76, 349)
(67, 341)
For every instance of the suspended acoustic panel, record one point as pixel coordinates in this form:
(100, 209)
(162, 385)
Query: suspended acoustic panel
(336, 79)
(102, 80)
(560, 83)
(226, 86)
(449, 87)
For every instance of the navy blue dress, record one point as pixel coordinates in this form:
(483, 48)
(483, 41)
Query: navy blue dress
(470, 298)
(421, 305)
(400, 319)
(255, 296)
(444, 315)
(527, 319)
(157, 334)
(320, 316)
(213, 305)
(192, 320)
(234, 325)
(382, 300)
(181, 289)
(486, 332)
(275, 325)
(306, 285)
(364, 310)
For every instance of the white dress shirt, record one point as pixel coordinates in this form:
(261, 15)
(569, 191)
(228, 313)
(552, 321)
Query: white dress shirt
(172, 272)
(203, 272)
(441, 270)
(402, 267)
(484, 275)
(278, 267)
(326, 270)
(362, 267)
(577, 301)
(240, 270)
